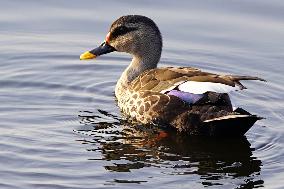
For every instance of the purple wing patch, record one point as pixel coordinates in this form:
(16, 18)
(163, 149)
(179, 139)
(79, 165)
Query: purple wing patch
(185, 96)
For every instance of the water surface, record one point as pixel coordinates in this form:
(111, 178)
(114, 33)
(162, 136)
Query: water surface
(61, 128)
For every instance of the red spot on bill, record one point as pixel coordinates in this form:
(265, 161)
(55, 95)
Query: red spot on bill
(107, 37)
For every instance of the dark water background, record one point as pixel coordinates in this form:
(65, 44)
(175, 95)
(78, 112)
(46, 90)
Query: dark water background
(59, 124)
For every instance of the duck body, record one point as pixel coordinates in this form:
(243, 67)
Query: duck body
(184, 98)
(148, 100)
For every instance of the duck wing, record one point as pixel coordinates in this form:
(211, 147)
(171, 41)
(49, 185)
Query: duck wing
(211, 115)
(165, 79)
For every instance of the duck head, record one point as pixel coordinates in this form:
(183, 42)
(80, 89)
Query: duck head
(134, 34)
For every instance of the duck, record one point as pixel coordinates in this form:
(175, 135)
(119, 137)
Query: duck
(185, 99)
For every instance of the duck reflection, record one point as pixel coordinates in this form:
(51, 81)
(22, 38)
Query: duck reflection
(131, 146)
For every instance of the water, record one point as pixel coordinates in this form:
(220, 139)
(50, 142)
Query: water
(61, 128)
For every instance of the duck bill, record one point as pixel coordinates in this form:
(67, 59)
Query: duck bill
(104, 48)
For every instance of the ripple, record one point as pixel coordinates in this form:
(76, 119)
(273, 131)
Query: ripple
(129, 148)
(61, 128)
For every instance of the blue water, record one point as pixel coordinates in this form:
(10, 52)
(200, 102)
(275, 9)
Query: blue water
(60, 126)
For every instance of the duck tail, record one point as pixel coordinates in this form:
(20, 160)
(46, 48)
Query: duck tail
(236, 124)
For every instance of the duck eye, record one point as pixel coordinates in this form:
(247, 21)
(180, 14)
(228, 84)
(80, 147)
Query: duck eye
(121, 30)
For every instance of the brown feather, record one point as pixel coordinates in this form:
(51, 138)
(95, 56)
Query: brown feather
(148, 104)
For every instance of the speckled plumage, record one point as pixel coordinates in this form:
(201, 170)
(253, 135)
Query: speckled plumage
(142, 100)
(142, 90)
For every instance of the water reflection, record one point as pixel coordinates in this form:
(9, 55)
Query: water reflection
(130, 147)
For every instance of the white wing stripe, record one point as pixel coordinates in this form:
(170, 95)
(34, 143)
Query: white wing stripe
(196, 87)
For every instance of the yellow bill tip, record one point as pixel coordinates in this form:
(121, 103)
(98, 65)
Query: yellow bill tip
(87, 55)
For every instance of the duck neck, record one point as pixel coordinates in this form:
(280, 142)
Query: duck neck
(138, 65)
